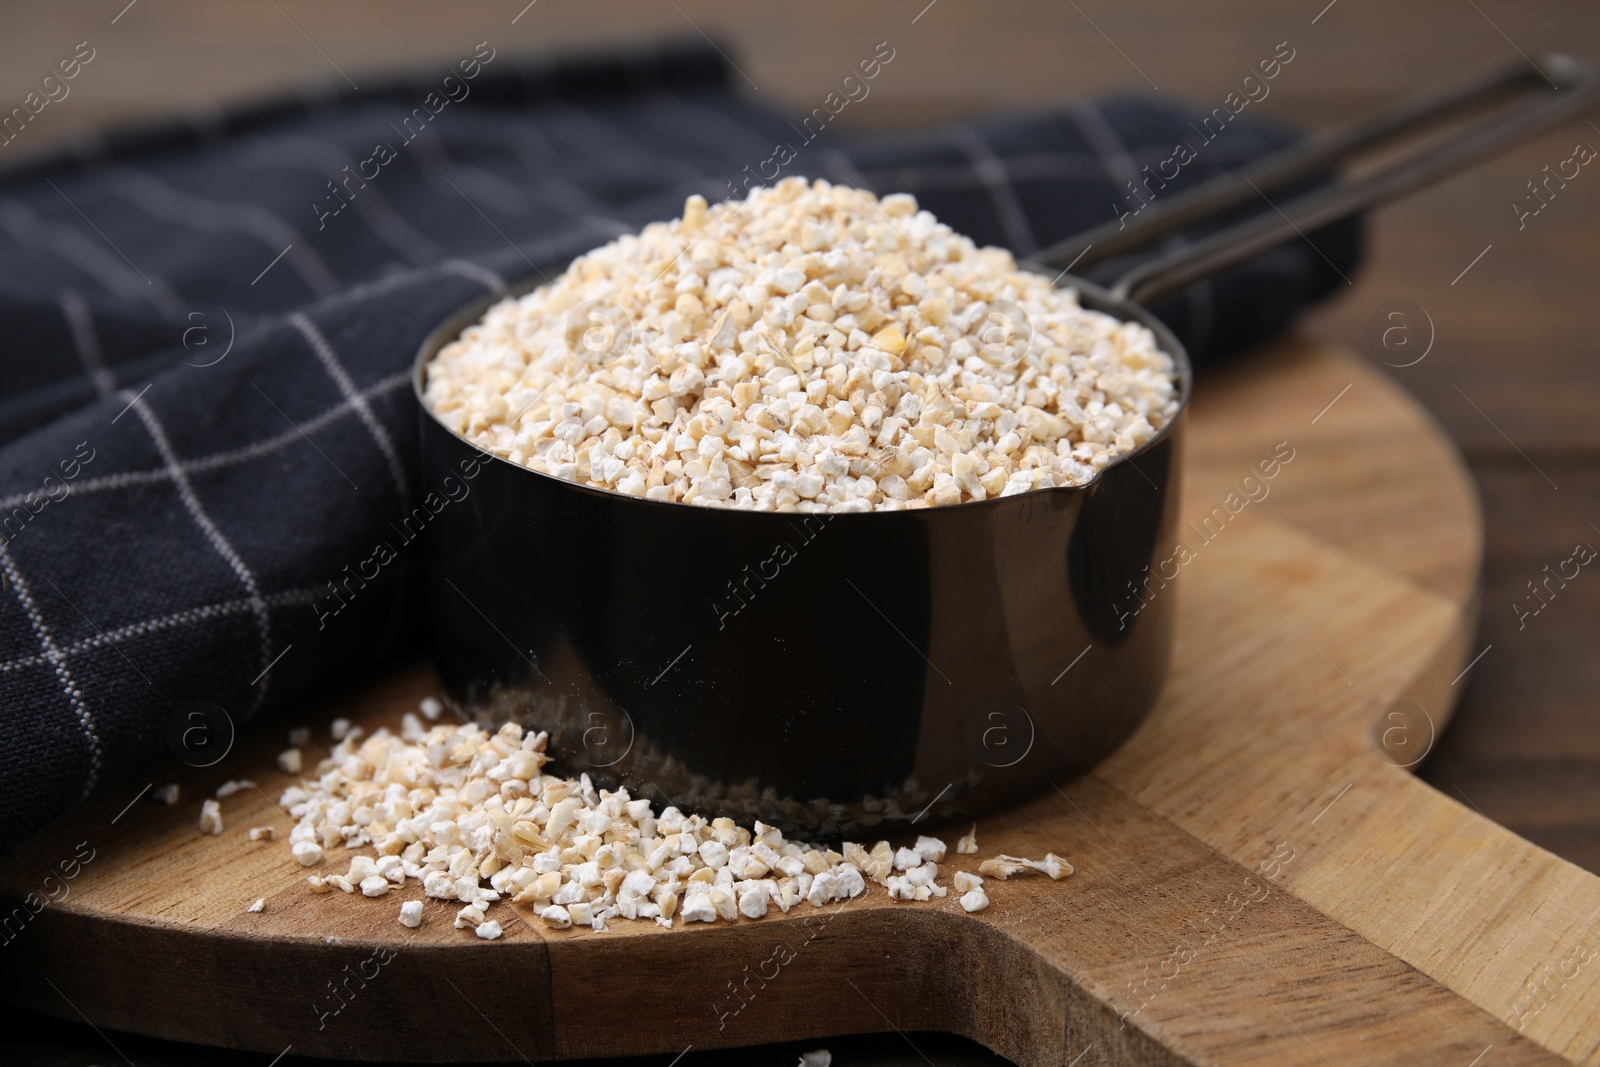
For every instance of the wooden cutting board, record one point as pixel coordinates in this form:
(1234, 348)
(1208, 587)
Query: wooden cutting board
(1257, 881)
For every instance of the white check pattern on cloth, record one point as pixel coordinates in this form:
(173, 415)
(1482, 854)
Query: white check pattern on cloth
(1121, 167)
(319, 158)
(996, 178)
(25, 227)
(178, 208)
(79, 320)
(230, 458)
(58, 663)
(187, 617)
(197, 511)
(325, 354)
(193, 547)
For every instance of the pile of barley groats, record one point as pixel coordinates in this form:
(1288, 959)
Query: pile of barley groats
(811, 348)
(472, 816)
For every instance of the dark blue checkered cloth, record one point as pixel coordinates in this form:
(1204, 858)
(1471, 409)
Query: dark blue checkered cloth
(207, 326)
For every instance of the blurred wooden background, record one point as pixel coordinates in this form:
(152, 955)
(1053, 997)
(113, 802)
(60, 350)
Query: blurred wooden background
(1515, 334)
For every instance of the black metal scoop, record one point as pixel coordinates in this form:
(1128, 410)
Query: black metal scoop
(831, 674)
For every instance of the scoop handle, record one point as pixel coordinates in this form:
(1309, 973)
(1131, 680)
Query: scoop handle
(1560, 87)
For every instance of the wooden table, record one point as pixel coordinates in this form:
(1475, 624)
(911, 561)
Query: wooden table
(1511, 309)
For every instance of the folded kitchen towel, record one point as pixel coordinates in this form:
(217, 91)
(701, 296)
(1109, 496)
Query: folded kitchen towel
(205, 413)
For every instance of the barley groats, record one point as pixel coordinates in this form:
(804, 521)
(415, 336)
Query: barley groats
(811, 348)
(474, 819)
